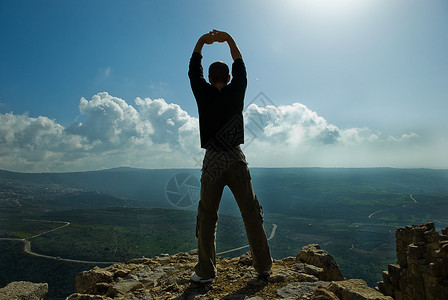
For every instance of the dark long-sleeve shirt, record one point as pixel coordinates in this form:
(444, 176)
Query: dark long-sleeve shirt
(221, 123)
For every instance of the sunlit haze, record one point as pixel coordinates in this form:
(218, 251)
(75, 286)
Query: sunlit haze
(88, 85)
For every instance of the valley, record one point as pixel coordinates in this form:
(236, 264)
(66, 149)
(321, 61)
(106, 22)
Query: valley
(84, 219)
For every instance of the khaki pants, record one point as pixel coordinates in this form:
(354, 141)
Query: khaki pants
(221, 168)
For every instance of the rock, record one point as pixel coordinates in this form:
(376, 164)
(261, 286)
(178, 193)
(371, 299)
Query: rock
(168, 277)
(356, 289)
(291, 275)
(123, 286)
(310, 270)
(24, 290)
(100, 288)
(78, 296)
(235, 297)
(445, 231)
(421, 271)
(314, 255)
(323, 294)
(246, 259)
(86, 279)
(142, 260)
(300, 290)
(149, 277)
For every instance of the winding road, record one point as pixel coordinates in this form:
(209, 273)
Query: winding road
(378, 211)
(274, 229)
(27, 245)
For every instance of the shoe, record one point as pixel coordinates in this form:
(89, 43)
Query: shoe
(264, 275)
(195, 278)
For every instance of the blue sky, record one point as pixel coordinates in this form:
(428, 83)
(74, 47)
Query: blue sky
(98, 84)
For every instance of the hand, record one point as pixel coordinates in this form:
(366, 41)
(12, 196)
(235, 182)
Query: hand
(215, 36)
(220, 36)
(208, 38)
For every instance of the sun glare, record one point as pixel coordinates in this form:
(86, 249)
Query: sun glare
(329, 8)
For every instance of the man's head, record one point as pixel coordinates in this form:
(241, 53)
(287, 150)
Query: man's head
(218, 73)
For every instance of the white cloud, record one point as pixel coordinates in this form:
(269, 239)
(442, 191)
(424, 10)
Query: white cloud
(110, 121)
(36, 143)
(403, 138)
(290, 125)
(170, 123)
(104, 73)
(156, 134)
(114, 133)
(293, 135)
(107, 71)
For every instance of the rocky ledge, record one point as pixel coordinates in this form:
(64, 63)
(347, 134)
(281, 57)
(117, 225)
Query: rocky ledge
(24, 290)
(313, 274)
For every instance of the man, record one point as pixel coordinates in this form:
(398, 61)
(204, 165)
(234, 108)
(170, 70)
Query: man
(220, 105)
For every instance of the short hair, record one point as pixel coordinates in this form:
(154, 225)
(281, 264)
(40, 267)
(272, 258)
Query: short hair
(218, 72)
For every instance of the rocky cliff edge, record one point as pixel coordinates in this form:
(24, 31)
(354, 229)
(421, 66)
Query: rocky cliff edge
(313, 274)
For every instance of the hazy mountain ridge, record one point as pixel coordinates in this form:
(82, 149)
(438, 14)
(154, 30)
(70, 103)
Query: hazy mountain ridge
(148, 186)
(17, 193)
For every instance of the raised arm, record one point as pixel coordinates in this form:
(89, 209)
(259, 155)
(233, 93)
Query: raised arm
(221, 37)
(207, 38)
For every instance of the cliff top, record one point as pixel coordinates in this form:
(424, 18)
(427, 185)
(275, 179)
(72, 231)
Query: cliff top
(313, 274)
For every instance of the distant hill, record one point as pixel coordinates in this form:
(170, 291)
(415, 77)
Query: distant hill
(278, 188)
(145, 186)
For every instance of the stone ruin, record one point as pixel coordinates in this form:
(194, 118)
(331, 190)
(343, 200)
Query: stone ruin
(421, 271)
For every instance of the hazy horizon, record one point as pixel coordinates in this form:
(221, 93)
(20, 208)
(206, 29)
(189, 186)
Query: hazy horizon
(198, 169)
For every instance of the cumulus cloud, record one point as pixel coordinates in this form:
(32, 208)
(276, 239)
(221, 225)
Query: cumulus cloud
(114, 133)
(290, 125)
(170, 124)
(157, 134)
(111, 122)
(29, 143)
(294, 135)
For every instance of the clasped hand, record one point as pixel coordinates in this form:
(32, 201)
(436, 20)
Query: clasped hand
(215, 36)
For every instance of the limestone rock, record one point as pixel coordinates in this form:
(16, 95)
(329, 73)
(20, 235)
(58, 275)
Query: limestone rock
(149, 276)
(167, 277)
(78, 296)
(314, 255)
(307, 276)
(123, 286)
(356, 289)
(86, 279)
(24, 290)
(323, 294)
(300, 290)
(246, 259)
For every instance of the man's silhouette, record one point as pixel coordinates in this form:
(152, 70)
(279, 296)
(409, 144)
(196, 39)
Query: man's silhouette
(220, 105)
